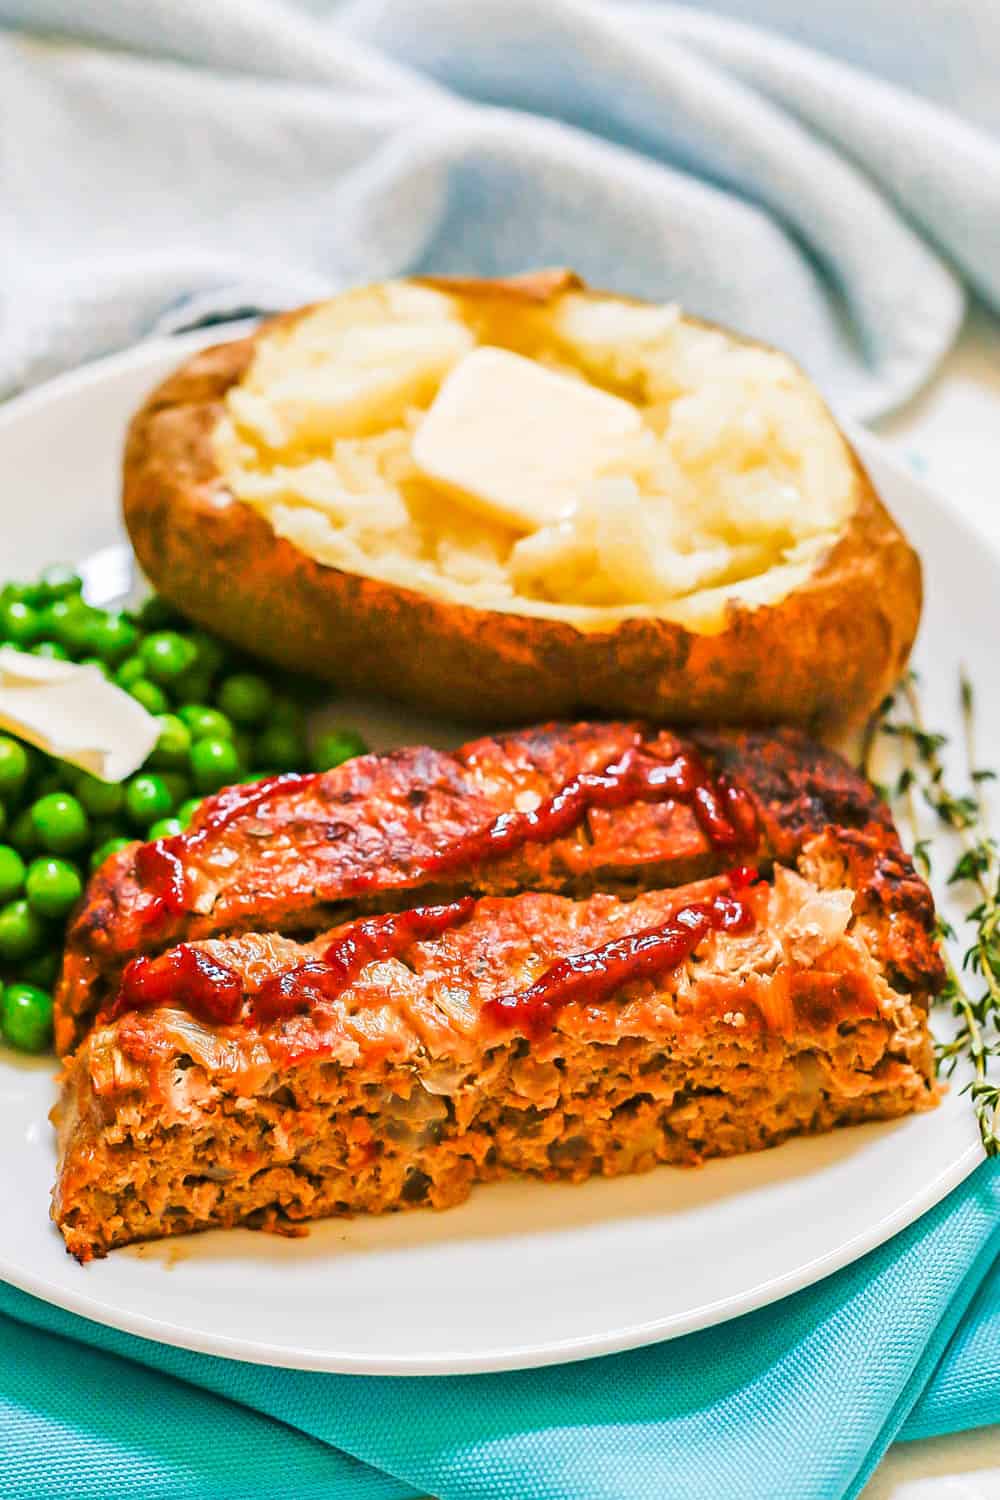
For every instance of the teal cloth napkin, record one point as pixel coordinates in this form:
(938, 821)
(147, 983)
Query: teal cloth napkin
(795, 1402)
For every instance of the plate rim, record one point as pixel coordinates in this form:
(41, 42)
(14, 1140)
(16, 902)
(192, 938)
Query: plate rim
(528, 1355)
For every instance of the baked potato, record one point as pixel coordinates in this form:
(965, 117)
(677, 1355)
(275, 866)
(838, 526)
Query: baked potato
(728, 561)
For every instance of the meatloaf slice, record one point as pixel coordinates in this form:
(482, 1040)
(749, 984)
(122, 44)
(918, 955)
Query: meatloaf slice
(412, 1083)
(359, 837)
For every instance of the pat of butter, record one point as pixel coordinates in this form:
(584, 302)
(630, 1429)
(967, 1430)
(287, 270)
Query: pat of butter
(73, 712)
(518, 441)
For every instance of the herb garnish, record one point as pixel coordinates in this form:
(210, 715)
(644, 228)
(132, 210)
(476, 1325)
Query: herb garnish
(977, 869)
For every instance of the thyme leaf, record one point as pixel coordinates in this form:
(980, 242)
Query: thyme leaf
(972, 991)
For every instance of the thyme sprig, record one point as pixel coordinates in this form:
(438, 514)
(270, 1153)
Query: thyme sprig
(977, 868)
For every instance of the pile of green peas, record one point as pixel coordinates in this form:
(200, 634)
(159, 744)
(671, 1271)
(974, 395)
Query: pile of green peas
(223, 718)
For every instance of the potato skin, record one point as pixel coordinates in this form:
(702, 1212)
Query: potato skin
(824, 656)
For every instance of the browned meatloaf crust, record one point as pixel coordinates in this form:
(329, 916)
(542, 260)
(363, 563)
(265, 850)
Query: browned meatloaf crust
(291, 864)
(404, 1088)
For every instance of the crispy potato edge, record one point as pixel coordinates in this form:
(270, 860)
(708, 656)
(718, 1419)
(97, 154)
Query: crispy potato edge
(823, 656)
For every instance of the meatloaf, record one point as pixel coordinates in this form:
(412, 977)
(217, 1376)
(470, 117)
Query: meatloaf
(336, 1014)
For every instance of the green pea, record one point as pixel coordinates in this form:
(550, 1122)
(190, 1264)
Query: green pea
(110, 846)
(155, 613)
(60, 823)
(38, 763)
(56, 777)
(19, 623)
(95, 661)
(214, 763)
(152, 697)
(22, 931)
(210, 654)
(167, 655)
(114, 636)
(81, 625)
(177, 784)
(14, 766)
(52, 886)
(193, 687)
(50, 649)
(60, 582)
(243, 741)
(26, 1017)
(55, 614)
(11, 873)
(287, 714)
(174, 744)
(51, 780)
(335, 746)
(246, 698)
(205, 722)
(22, 593)
(131, 670)
(42, 970)
(22, 832)
(147, 798)
(187, 810)
(70, 622)
(102, 799)
(165, 828)
(282, 748)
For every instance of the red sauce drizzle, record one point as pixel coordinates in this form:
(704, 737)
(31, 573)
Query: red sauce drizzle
(362, 943)
(596, 975)
(724, 811)
(233, 801)
(725, 814)
(213, 993)
(160, 865)
(187, 977)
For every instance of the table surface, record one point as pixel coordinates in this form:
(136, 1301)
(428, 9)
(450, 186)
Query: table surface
(951, 434)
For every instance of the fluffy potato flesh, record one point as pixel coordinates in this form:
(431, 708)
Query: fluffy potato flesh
(734, 487)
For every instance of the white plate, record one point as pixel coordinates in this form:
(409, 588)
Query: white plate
(524, 1274)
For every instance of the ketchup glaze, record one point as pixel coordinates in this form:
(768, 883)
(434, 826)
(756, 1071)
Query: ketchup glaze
(187, 977)
(160, 864)
(213, 993)
(592, 977)
(362, 943)
(724, 812)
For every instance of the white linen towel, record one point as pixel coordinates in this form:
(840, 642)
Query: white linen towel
(824, 177)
